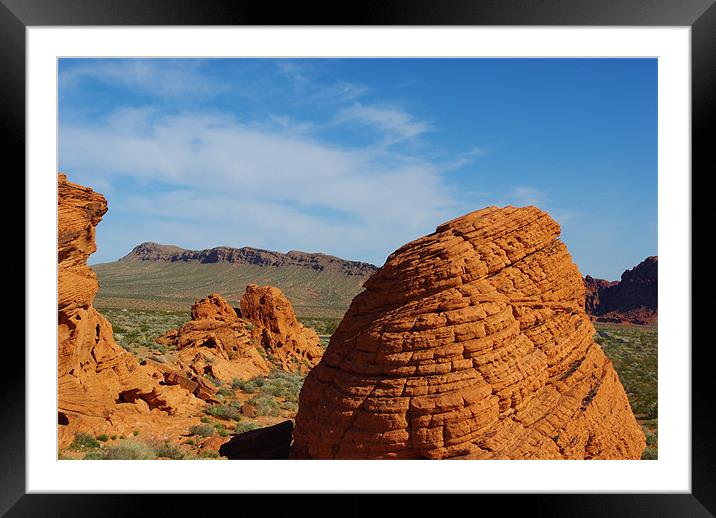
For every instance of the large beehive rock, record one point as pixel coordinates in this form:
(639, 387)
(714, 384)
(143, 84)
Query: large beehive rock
(471, 342)
(277, 329)
(100, 385)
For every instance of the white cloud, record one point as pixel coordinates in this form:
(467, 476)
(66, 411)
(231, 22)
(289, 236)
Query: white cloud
(525, 195)
(156, 77)
(245, 185)
(395, 124)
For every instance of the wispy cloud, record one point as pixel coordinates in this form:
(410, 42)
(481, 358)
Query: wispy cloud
(394, 124)
(302, 77)
(256, 186)
(158, 78)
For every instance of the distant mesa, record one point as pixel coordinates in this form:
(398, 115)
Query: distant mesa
(246, 255)
(633, 299)
(471, 342)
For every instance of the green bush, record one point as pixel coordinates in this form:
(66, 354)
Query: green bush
(94, 455)
(169, 451)
(650, 438)
(245, 426)
(204, 430)
(265, 405)
(84, 441)
(129, 449)
(222, 411)
(650, 454)
(248, 386)
(102, 438)
(209, 454)
(226, 392)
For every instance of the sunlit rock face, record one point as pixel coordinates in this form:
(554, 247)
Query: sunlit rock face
(471, 342)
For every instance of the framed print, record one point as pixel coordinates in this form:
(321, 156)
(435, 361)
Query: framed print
(298, 254)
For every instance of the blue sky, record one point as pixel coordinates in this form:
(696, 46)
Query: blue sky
(355, 157)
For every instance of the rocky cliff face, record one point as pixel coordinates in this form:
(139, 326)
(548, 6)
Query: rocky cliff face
(277, 330)
(633, 299)
(247, 255)
(100, 386)
(471, 342)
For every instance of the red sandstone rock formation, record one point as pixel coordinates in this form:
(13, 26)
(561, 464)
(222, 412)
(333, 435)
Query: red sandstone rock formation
(100, 386)
(215, 342)
(471, 342)
(633, 299)
(277, 329)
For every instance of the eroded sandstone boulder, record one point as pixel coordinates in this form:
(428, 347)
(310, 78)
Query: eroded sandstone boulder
(100, 385)
(277, 329)
(471, 342)
(215, 342)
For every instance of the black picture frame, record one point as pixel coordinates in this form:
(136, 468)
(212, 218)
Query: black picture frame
(700, 15)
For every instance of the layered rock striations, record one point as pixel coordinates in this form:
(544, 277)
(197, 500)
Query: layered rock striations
(277, 329)
(471, 342)
(215, 342)
(632, 299)
(100, 385)
(225, 344)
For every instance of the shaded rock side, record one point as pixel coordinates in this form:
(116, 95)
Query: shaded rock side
(632, 299)
(97, 379)
(277, 329)
(471, 342)
(215, 342)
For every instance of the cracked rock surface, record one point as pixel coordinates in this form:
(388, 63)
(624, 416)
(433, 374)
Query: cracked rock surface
(471, 342)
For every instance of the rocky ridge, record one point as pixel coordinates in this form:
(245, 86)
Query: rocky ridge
(633, 299)
(247, 255)
(471, 342)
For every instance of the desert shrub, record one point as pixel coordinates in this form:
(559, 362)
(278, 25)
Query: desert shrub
(290, 406)
(265, 405)
(102, 438)
(245, 426)
(209, 454)
(94, 455)
(84, 441)
(226, 392)
(129, 449)
(135, 432)
(205, 430)
(169, 451)
(248, 386)
(283, 384)
(650, 454)
(222, 411)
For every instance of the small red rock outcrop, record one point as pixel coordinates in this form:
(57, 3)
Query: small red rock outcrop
(100, 385)
(471, 342)
(633, 299)
(215, 342)
(277, 329)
